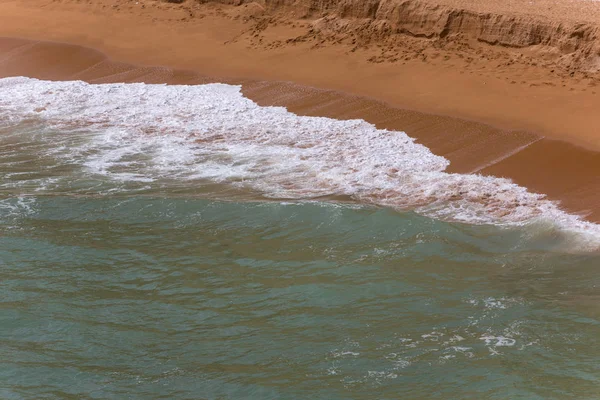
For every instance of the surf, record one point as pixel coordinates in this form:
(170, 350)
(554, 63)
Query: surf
(152, 133)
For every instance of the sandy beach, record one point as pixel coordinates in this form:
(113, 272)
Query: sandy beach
(505, 90)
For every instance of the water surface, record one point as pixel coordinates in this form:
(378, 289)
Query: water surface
(161, 266)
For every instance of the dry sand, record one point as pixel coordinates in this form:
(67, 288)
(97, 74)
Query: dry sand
(523, 112)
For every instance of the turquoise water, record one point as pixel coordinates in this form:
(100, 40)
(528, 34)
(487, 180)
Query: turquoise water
(126, 281)
(163, 297)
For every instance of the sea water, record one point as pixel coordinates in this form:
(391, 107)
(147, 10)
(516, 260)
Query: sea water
(181, 242)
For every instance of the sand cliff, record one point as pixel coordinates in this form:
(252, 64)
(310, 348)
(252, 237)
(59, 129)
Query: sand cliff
(571, 45)
(559, 34)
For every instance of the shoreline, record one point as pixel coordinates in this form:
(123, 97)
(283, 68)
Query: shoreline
(471, 147)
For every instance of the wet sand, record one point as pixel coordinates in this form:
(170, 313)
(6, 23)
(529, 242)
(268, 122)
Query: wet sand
(563, 171)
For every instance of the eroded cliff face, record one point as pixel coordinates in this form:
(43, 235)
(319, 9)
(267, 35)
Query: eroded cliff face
(575, 45)
(569, 45)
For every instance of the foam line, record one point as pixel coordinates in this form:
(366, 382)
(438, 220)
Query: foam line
(213, 132)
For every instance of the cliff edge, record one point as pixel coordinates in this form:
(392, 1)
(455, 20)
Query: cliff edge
(561, 34)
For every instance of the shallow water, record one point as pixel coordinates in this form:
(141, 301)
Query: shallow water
(129, 271)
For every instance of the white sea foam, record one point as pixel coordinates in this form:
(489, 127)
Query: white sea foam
(498, 341)
(17, 207)
(150, 132)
